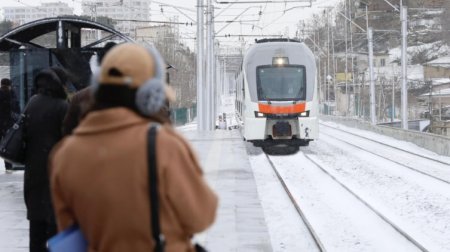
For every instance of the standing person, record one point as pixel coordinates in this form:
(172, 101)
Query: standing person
(44, 114)
(99, 174)
(8, 107)
(81, 101)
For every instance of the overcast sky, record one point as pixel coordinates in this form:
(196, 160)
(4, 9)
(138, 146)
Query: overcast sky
(275, 18)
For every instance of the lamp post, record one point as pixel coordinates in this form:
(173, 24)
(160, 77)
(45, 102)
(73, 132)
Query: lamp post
(201, 120)
(404, 19)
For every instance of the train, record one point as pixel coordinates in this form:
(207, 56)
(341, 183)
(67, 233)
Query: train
(276, 94)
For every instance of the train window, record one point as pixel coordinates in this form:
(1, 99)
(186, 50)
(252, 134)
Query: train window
(281, 83)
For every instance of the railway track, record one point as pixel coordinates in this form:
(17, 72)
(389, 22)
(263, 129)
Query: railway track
(390, 146)
(311, 229)
(388, 158)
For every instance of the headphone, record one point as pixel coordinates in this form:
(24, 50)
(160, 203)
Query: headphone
(150, 96)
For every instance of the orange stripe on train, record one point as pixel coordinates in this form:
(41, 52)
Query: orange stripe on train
(291, 109)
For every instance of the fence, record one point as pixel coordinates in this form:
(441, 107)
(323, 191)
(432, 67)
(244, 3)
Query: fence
(181, 116)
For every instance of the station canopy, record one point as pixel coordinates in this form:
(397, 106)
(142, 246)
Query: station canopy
(67, 32)
(71, 43)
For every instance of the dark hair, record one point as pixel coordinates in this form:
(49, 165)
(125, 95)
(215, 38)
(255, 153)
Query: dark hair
(103, 52)
(48, 83)
(6, 82)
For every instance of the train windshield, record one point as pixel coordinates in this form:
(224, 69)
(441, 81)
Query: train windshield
(281, 83)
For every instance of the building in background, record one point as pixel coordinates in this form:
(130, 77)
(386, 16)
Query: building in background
(166, 39)
(24, 14)
(126, 14)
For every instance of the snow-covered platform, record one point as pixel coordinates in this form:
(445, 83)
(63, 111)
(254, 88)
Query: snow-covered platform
(240, 224)
(13, 222)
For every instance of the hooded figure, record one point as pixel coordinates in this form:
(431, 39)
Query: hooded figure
(44, 114)
(99, 174)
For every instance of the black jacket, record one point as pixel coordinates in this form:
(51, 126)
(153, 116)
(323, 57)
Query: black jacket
(43, 129)
(8, 105)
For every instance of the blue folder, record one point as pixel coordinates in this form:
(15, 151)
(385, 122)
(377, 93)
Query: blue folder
(69, 240)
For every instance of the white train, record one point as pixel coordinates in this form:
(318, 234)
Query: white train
(276, 94)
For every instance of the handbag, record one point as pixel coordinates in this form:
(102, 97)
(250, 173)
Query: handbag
(12, 145)
(153, 178)
(69, 240)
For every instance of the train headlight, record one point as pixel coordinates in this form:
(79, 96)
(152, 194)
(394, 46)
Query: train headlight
(280, 61)
(304, 114)
(259, 114)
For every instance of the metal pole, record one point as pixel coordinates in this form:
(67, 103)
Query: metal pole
(216, 101)
(328, 62)
(334, 72)
(352, 61)
(404, 19)
(200, 68)
(209, 70)
(212, 60)
(373, 118)
(346, 60)
(363, 81)
(208, 97)
(319, 66)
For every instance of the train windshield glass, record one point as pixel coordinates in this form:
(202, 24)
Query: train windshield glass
(281, 83)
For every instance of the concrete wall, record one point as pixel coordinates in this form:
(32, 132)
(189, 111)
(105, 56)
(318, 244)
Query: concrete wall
(435, 143)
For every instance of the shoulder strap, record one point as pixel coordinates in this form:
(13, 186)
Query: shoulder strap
(153, 187)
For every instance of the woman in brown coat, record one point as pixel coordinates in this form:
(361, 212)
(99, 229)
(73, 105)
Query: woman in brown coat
(99, 174)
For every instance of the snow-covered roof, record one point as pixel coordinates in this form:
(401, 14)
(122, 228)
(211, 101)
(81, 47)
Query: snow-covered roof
(441, 62)
(432, 50)
(414, 72)
(440, 93)
(440, 81)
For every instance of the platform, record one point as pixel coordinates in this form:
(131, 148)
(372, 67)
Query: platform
(13, 222)
(240, 224)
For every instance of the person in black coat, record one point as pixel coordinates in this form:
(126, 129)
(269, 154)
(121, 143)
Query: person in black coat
(8, 107)
(44, 115)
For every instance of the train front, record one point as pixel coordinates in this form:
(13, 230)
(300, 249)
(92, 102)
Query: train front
(282, 106)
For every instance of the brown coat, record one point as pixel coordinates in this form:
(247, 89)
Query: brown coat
(79, 104)
(99, 179)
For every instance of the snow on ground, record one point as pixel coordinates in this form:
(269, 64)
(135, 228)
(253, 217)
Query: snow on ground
(390, 141)
(286, 228)
(420, 164)
(414, 202)
(417, 204)
(342, 222)
(13, 222)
